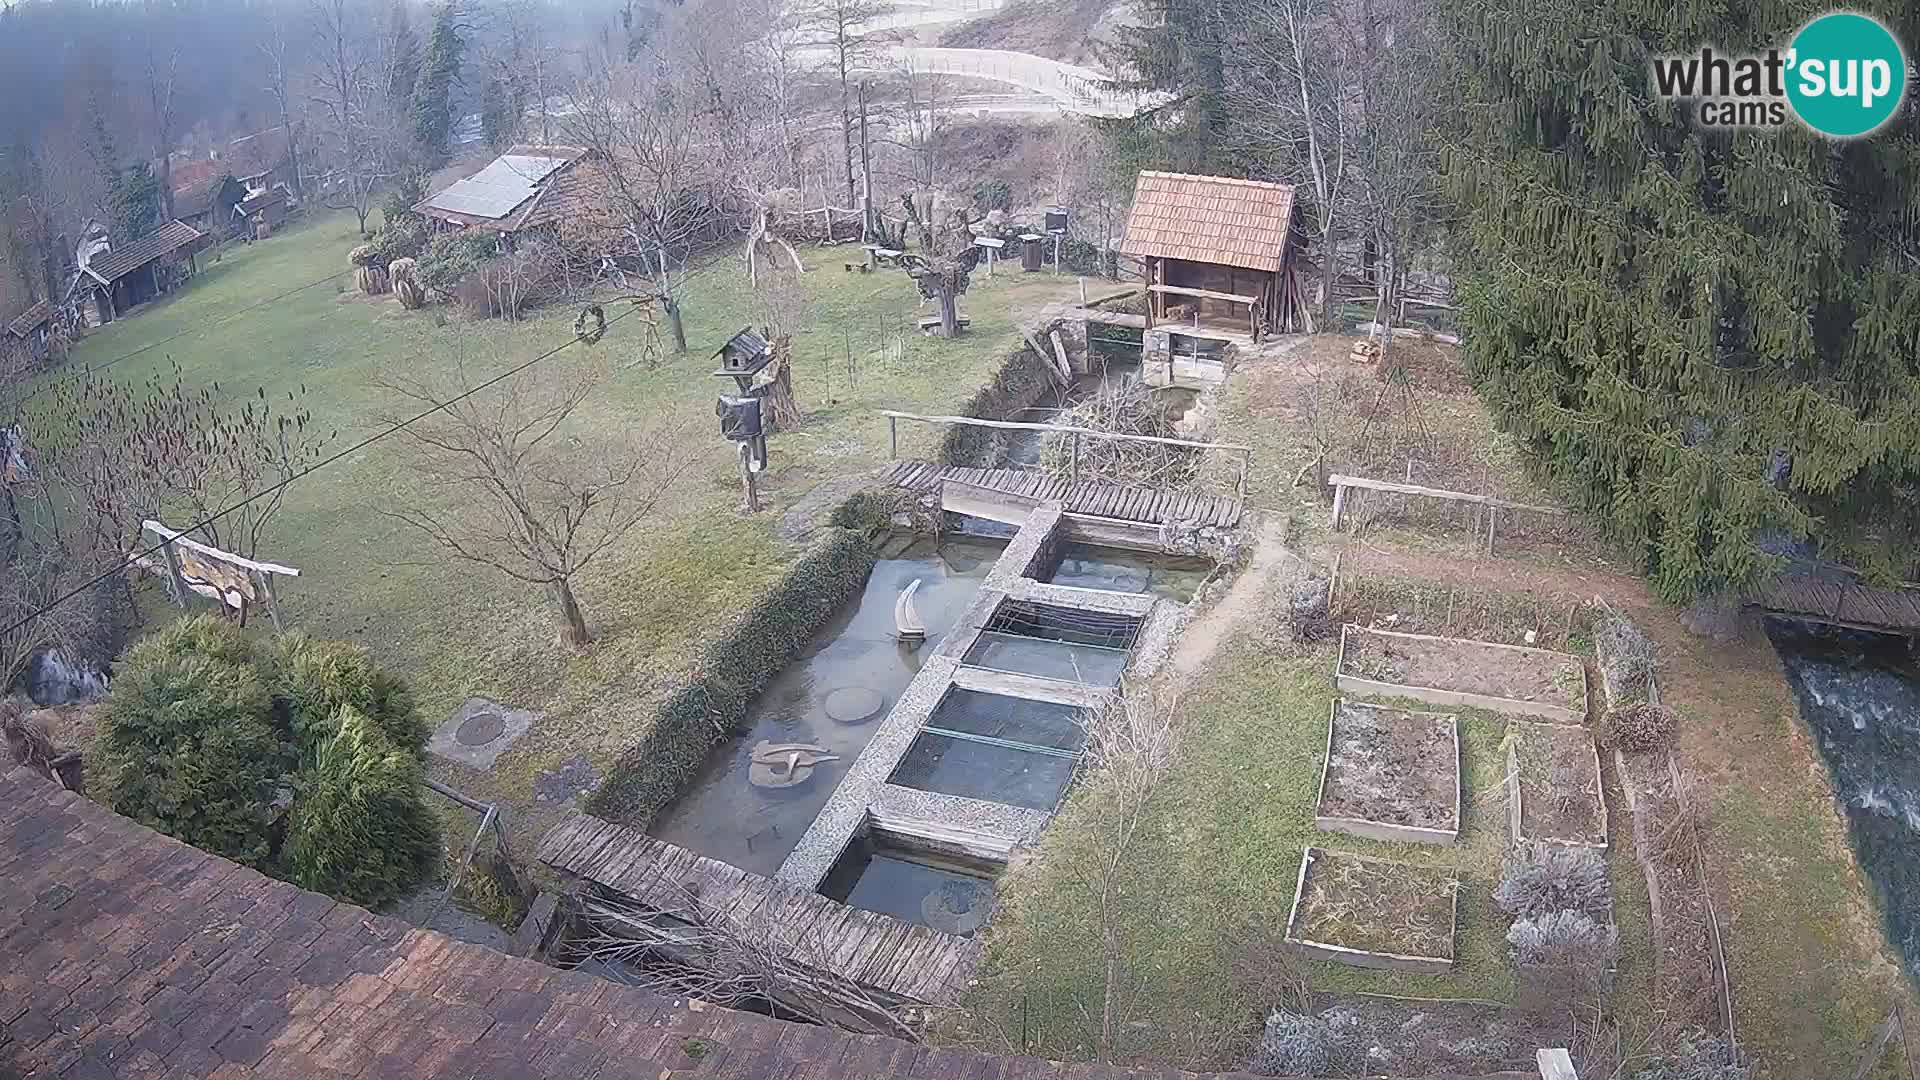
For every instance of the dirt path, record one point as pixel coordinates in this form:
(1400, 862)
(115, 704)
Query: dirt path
(1204, 634)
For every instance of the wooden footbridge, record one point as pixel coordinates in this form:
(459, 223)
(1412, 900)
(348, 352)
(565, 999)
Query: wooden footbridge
(1891, 610)
(1008, 495)
(899, 960)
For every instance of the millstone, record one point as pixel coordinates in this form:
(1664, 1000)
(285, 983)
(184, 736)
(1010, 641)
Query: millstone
(480, 729)
(853, 704)
(955, 908)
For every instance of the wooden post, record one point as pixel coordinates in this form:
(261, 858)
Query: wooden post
(1083, 292)
(273, 604)
(1056, 253)
(747, 481)
(893, 438)
(1555, 1065)
(1339, 504)
(1246, 461)
(1073, 462)
(1493, 515)
(176, 584)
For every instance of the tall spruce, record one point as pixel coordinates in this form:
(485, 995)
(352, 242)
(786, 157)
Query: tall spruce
(403, 60)
(1178, 55)
(439, 71)
(1710, 341)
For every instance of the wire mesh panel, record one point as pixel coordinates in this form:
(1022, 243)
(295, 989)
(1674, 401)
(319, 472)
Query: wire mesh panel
(1033, 723)
(994, 772)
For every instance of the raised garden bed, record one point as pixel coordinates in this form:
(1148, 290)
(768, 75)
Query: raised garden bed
(1553, 786)
(1374, 913)
(1509, 679)
(1390, 774)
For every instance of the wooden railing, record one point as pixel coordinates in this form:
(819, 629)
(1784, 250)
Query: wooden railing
(1340, 483)
(1073, 474)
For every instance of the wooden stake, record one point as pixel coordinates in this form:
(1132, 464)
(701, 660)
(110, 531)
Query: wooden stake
(893, 438)
(1073, 462)
(273, 606)
(1339, 503)
(747, 481)
(176, 584)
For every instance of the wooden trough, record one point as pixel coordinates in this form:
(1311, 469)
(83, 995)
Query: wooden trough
(1370, 828)
(1297, 936)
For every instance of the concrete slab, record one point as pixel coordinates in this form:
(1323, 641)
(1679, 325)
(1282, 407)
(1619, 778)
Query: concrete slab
(479, 731)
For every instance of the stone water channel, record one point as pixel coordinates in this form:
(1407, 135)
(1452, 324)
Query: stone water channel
(1022, 448)
(970, 737)
(1860, 696)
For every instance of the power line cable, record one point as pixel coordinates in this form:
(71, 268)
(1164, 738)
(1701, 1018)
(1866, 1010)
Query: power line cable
(133, 559)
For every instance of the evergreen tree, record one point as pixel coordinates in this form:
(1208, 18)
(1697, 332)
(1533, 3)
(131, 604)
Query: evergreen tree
(1709, 340)
(496, 113)
(1179, 56)
(136, 202)
(403, 60)
(432, 99)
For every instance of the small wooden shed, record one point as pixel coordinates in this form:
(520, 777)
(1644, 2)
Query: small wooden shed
(1219, 253)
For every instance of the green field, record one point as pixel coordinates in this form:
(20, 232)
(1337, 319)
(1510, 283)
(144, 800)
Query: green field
(459, 630)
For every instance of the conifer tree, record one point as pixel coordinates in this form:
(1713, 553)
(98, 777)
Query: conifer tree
(403, 61)
(439, 70)
(1178, 55)
(1709, 340)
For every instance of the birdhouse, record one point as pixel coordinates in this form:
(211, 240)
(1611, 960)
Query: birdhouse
(1056, 220)
(742, 357)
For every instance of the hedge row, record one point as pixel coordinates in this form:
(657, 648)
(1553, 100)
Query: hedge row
(712, 704)
(1023, 380)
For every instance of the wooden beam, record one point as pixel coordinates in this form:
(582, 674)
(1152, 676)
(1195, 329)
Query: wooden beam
(1205, 294)
(1338, 481)
(184, 541)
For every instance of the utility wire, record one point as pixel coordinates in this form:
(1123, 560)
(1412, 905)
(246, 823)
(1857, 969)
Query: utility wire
(90, 369)
(133, 559)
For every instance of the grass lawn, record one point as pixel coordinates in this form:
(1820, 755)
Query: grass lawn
(459, 630)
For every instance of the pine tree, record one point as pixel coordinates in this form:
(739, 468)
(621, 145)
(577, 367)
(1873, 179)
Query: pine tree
(136, 202)
(1708, 340)
(403, 61)
(496, 113)
(1179, 54)
(432, 99)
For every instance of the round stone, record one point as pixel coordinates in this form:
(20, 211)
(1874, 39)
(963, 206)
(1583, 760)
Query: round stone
(853, 704)
(956, 908)
(480, 729)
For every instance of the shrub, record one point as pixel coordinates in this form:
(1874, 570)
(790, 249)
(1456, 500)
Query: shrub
(1626, 657)
(202, 635)
(1539, 879)
(1294, 1045)
(1639, 728)
(186, 747)
(450, 256)
(359, 830)
(406, 194)
(403, 238)
(731, 672)
(1697, 1056)
(312, 680)
(992, 195)
(1564, 941)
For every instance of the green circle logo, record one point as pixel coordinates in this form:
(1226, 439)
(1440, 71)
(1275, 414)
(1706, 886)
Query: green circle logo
(1846, 75)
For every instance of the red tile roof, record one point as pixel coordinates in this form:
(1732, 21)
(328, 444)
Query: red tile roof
(128, 954)
(1210, 219)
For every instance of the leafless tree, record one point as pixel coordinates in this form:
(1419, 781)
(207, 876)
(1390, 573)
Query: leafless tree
(915, 118)
(162, 78)
(280, 64)
(845, 30)
(1130, 749)
(536, 503)
(350, 80)
(1289, 94)
(943, 267)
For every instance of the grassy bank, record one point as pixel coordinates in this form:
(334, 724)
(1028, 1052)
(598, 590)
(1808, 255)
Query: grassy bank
(655, 601)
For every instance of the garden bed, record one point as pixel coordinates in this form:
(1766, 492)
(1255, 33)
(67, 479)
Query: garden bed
(1374, 913)
(1553, 786)
(1390, 774)
(1510, 679)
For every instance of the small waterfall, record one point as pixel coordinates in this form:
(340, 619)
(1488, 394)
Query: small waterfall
(1860, 696)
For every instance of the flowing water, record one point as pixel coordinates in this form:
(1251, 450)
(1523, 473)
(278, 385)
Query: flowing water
(722, 814)
(1860, 696)
(1175, 577)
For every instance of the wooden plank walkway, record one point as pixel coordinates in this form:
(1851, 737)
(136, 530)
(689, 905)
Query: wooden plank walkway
(1863, 606)
(1143, 505)
(908, 962)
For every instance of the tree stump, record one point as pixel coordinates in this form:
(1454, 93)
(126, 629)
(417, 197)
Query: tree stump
(774, 387)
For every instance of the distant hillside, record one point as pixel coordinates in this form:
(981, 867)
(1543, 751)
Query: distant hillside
(1064, 30)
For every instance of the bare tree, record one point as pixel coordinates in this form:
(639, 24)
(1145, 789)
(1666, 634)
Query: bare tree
(943, 266)
(1130, 749)
(536, 503)
(351, 77)
(163, 77)
(917, 117)
(1289, 94)
(280, 64)
(845, 30)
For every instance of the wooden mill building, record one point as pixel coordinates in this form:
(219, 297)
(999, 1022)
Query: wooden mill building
(1219, 254)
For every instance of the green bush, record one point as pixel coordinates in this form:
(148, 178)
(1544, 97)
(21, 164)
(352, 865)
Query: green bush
(1021, 381)
(450, 256)
(186, 746)
(402, 238)
(205, 738)
(312, 680)
(713, 703)
(359, 830)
